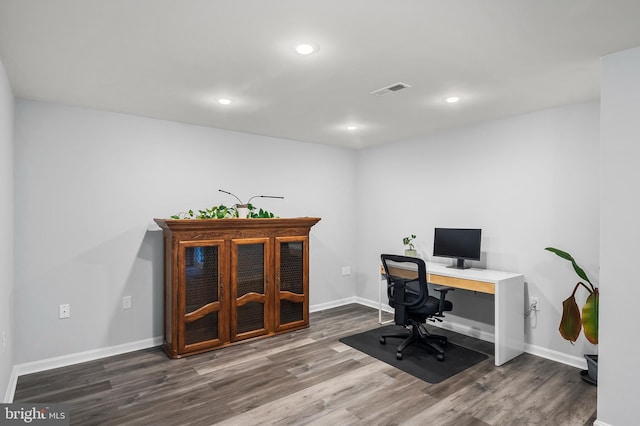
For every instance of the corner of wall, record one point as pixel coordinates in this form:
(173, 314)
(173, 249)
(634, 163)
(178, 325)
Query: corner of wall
(7, 106)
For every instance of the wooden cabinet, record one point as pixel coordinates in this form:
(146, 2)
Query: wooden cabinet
(228, 280)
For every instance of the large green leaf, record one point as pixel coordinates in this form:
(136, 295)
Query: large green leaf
(590, 317)
(562, 254)
(571, 323)
(580, 272)
(567, 256)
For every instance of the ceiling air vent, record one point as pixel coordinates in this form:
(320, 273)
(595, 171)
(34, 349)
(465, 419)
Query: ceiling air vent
(395, 87)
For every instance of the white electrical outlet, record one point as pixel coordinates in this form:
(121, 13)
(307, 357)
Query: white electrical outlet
(534, 304)
(65, 311)
(126, 302)
(346, 270)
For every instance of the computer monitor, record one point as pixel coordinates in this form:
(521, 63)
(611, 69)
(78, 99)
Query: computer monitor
(457, 243)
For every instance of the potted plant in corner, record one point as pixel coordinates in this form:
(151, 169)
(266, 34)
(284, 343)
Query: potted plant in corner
(572, 322)
(408, 241)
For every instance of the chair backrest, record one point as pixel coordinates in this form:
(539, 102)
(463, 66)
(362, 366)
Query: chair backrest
(406, 284)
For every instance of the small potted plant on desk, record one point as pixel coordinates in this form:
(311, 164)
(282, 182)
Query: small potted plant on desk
(571, 322)
(408, 241)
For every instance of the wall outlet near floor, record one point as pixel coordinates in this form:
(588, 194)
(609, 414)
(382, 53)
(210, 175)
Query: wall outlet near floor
(346, 270)
(126, 302)
(65, 311)
(534, 304)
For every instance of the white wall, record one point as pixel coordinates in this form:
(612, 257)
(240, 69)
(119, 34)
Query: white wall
(88, 184)
(6, 231)
(618, 370)
(529, 182)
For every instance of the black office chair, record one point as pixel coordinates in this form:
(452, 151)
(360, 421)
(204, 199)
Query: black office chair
(409, 296)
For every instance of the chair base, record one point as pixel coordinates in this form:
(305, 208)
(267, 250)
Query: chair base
(418, 334)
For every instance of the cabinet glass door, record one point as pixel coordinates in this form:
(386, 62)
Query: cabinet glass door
(202, 292)
(292, 286)
(249, 288)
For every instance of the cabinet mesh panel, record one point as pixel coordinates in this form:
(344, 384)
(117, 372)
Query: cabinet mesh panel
(291, 279)
(291, 267)
(250, 279)
(201, 283)
(250, 317)
(290, 312)
(250, 269)
(201, 288)
(200, 330)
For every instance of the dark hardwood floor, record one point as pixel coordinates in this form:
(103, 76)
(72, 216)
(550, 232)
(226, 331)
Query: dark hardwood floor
(308, 377)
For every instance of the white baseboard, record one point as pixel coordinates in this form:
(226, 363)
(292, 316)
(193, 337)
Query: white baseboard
(466, 330)
(333, 304)
(66, 360)
(556, 356)
(11, 387)
(371, 304)
(600, 423)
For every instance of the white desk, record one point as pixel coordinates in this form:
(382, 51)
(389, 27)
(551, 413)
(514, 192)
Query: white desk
(508, 289)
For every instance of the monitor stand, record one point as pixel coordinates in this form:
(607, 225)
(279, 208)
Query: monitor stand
(459, 265)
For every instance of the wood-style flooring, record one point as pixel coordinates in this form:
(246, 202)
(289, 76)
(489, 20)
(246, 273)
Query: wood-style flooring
(308, 377)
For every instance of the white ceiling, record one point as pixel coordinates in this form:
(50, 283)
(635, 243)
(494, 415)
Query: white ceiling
(172, 59)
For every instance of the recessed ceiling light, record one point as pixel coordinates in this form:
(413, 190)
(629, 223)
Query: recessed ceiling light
(452, 99)
(224, 101)
(352, 127)
(306, 48)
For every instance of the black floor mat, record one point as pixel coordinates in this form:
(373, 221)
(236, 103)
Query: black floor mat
(417, 359)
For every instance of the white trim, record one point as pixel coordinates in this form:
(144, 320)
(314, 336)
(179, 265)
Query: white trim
(560, 357)
(65, 360)
(11, 387)
(371, 304)
(332, 304)
(600, 423)
(466, 330)
(76, 358)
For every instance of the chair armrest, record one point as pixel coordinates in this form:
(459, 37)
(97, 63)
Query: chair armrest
(443, 295)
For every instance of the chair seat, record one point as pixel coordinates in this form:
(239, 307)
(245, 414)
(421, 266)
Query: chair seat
(432, 305)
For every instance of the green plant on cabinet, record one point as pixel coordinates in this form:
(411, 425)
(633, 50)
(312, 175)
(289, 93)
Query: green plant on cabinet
(224, 212)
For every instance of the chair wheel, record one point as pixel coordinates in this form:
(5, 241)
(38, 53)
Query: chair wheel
(383, 340)
(399, 356)
(440, 357)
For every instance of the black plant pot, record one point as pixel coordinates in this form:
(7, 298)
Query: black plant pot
(591, 374)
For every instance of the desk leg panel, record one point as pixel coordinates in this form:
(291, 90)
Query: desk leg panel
(509, 319)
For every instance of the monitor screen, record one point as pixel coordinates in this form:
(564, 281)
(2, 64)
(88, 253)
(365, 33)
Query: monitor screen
(457, 243)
